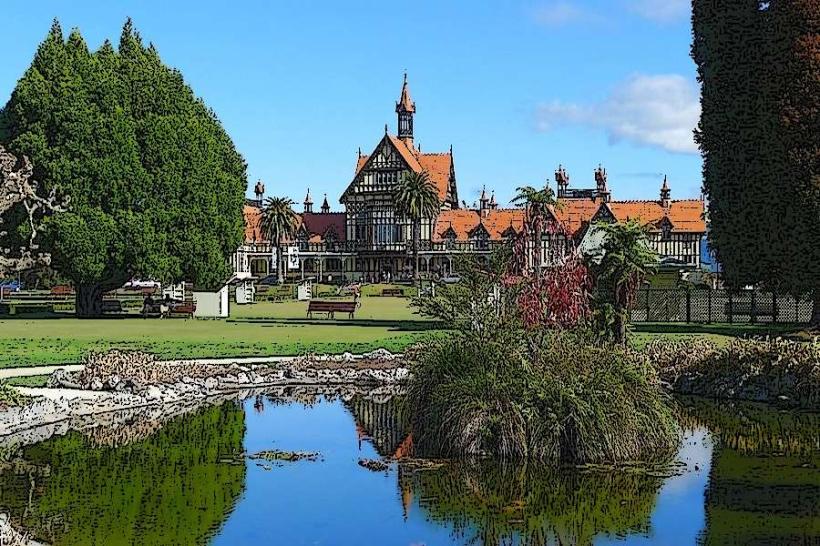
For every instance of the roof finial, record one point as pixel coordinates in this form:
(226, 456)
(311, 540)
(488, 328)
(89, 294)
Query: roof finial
(451, 149)
(360, 152)
(385, 128)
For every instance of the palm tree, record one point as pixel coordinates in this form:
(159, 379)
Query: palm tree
(623, 261)
(416, 198)
(278, 222)
(537, 205)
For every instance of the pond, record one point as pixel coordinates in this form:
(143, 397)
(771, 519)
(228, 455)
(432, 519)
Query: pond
(749, 475)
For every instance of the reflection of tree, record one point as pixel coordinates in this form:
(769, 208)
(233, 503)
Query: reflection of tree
(176, 487)
(492, 505)
(763, 486)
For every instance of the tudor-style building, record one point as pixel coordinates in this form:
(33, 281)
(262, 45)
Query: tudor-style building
(371, 240)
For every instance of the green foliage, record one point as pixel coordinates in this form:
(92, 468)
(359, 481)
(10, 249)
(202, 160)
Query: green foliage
(532, 505)
(279, 222)
(176, 487)
(559, 398)
(416, 198)
(759, 67)
(475, 303)
(9, 396)
(156, 186)
(619, 266)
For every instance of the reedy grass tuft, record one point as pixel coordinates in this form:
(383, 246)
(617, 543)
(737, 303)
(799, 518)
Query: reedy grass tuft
(559, 399)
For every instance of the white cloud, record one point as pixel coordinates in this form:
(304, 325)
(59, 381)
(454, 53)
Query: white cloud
(557, 14)
(658, 111)
(660, 11)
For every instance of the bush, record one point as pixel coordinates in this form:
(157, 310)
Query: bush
(559, 398)
(764, 370)
(9, 396)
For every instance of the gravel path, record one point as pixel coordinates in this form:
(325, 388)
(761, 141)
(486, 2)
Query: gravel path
(7, 373)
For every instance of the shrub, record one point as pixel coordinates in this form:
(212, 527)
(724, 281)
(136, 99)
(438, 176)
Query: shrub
(9, 396)
(563, 400)
(765, 370)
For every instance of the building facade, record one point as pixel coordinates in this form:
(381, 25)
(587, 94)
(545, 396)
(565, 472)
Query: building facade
(372, 241)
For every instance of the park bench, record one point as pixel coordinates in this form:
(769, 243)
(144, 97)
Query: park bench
(112, 306)
(184, 309)
(331, 307)
(62, 290)
(393, 292)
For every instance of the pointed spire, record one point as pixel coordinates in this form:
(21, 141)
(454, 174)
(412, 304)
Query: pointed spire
(666, 193)
(308, 202)
(405, 103)
(325, 206)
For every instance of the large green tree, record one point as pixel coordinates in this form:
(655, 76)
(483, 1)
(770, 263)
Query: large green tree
(156, 186)
(759, 67)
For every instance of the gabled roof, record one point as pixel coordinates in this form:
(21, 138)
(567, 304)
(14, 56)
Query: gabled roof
(437, 165)
(465, 222)
(314, 225)
(686, 215)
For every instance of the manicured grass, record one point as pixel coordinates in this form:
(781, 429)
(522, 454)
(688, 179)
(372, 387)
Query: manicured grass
(28, 381)
(257, 330)
(264, 329)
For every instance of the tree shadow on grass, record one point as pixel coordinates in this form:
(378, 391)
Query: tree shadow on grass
(725, 329)
(396, 325)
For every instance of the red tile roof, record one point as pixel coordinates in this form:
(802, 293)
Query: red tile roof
(437, 165)
(686, 215)
(464, 221)
(253, 221)
(316, 224)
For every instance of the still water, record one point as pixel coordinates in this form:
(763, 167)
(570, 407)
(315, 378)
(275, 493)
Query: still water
(748, 475)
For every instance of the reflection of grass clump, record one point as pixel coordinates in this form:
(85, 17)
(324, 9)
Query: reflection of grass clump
(537, 505)
(289, 456)
(558, 399)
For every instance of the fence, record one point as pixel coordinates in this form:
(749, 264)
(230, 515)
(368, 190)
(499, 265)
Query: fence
(707, 305)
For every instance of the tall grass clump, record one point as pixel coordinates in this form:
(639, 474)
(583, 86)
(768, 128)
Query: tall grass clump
(9, 396)
(762, 370)
(566, 400)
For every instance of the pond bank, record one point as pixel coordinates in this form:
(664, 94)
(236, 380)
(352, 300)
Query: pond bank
(120, 381)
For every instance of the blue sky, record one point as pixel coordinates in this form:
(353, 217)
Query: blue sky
(516, 87)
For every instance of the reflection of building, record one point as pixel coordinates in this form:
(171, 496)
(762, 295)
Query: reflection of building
(372, 240)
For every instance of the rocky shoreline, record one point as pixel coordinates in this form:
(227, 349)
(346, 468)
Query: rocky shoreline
(137, 382)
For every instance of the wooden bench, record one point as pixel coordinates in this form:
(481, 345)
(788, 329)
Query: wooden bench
(112, 306)
(62, 290)
(393, 292)
(330, 308)
(185, 309)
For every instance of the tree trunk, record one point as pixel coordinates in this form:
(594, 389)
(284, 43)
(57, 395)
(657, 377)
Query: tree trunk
(277, 263)
(416, 237)
(619, 324)
(814, 322)
(88, 301)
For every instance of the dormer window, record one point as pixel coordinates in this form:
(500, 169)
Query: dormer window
(666, 229)
(449, 237)
(480, 237)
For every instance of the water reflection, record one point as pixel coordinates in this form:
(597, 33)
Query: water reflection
(495, 505)
(177, 486)
(764, 484)
(750, 477)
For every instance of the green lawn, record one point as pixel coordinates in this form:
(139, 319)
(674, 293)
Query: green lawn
(254, 330)
(263, 329)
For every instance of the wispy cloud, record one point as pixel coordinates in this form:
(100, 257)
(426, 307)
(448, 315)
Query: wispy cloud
(660, 11)
(659, 111)
(558, 13)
